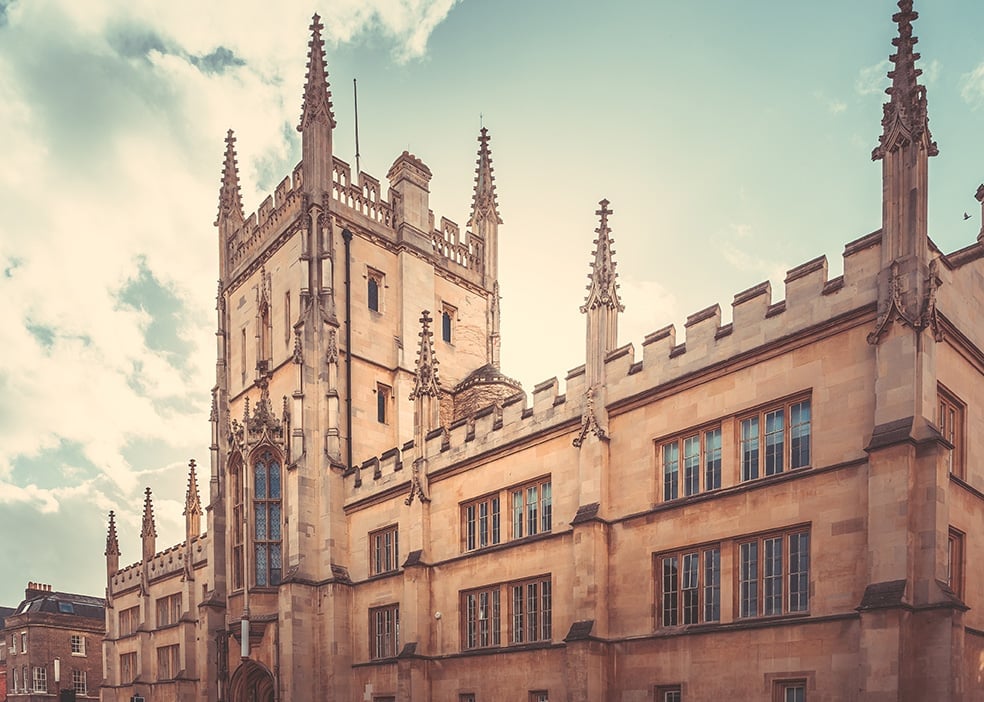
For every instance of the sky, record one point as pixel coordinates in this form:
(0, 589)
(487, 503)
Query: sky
(732, 145)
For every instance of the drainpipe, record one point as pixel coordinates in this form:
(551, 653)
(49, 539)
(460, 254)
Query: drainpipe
(347, 238)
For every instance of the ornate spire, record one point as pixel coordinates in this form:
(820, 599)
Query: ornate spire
(230, 200)
(426, 383)
(484, 203)
(112, 541)
(193, 504)
(905, 118)
(317, 96)
(603, 289)
(149, 528)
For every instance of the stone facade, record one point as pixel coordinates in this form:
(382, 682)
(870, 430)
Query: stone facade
(785, 506)
(52, 646)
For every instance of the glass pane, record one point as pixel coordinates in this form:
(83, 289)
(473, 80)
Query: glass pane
(517, 514)
(772, 580)
(532, 525)
(774, 441)
(495, 520)
(799, 572)
(688, 585)
(276, 566)
(261, 521)
(259, 478)
(275, 522)
(799, 429)
(670, 591)
(275, 480)
(546, 509)
(749, 448)
(261, 565)
(671, 468)
(712, 585)
(712, 459)
(691, 465)
(748, 583)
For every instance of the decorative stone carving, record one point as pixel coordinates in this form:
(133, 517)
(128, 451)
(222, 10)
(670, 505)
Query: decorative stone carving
(603, 288)
(426, 383)
(589, 420)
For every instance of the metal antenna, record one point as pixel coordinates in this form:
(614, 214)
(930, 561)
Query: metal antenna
(355, 92)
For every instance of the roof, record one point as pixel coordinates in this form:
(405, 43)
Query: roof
(486, 375)
(4, 613)
(64, 603)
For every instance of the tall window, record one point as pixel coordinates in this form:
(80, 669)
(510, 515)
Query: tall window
(532, 509)
(481, 522)
(774, 574)
(129, 620)
(287, 322)
(384, 631)
(954, 561)
(374, 284)
(168, 610)
(23, 642)
(448, 315)
(531, 605)
(242, 354)
(16, 679)
(78, 644)
(775, 439)
(691, 461)
(266, 519)
(128, 667)
(78, 682)
(168, 662)
(951, 413)
(689, 586)
(790, 691)
(40, 679)
(236, 494)
(383, 395)
(384, 548)
(482, 618)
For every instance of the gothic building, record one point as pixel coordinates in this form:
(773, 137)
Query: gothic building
(786, 505)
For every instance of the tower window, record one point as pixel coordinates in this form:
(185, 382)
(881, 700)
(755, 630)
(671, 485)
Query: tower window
(383, 393)
(266, 519)
(448, 315)
(374, 286)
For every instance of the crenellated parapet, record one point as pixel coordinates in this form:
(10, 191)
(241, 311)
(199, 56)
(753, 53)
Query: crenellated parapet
(812, 300)
(169, 562)
(273, 217)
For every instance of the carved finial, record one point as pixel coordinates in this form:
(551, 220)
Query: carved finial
(316, 107)
(213, 414)
(112, 541)
(193, 504)
(230, 199)
(905, 118)
(603, 288)
(149, 528)
(426, 384)
(485, 205)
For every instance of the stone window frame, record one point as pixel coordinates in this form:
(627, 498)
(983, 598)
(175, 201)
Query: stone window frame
(741, 576)
(384, 631)
(780, 683)
(955, 555)
(472, 537)
(760, 415)
(168, 610)
(384, 398)
(375, 277)
(539, 696)
(709, 461)
(473, 603)
(384, 557)
(168, 661)
(449, 319)
(529, 518)
(129, 668)
(237, 546)
(466, 697)
(950, 418)
(524, 628)
(269, 541)
(128, 621)
(704, 590)
(77, 643)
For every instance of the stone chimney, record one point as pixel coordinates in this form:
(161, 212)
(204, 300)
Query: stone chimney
(409, 178)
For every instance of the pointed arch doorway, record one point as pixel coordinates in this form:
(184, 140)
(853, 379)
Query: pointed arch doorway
(251, 682)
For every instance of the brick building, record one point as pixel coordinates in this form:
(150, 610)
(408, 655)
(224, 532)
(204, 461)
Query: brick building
(4, 613)
(786, 506)
(53, 643)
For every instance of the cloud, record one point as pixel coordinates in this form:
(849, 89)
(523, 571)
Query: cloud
(972, 87)
(873, 79)
(112, 114)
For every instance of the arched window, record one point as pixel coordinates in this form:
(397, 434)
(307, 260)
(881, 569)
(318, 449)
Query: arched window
(266, 519)
(236, 498)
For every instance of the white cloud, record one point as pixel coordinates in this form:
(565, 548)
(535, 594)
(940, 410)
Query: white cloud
(873, 79)
(972, 87)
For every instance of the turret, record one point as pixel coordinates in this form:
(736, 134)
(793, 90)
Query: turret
(148, 531)
(230, 217)
(410, 179)
(317, 119)
(112, 548)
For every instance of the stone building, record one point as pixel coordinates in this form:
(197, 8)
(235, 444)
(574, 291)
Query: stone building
(782, 507)
(52, 643)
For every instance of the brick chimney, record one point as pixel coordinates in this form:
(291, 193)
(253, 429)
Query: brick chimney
(36, 590)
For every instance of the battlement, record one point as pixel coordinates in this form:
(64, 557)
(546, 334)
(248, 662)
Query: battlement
(164, 563)
(811, 298)
(269, 220)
